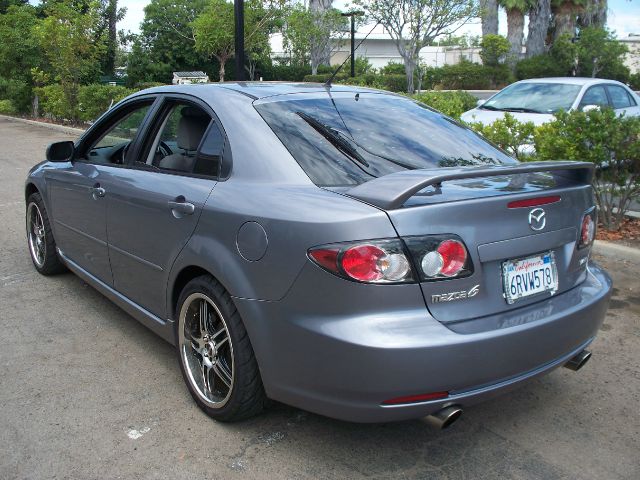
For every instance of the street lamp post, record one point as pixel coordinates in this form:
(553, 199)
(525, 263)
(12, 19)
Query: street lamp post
(238, 9)
(352, 16)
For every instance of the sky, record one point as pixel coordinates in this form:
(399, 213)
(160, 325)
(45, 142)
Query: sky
(624, 17)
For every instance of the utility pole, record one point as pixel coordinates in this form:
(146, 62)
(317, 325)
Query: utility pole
(352, 16)
(238, 9)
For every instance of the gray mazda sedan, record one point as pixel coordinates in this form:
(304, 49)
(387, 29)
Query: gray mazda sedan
(343, 250)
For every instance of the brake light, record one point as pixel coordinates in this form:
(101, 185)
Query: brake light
(534, 202)
(381, 261)
(587, 229)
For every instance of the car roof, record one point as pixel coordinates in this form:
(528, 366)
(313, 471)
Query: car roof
(569, 80)
(256, 90)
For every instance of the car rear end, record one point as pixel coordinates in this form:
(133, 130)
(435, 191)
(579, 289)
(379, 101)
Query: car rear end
(487, 284)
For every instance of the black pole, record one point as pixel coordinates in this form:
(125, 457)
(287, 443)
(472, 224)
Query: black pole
(353, 45)
(238, 7)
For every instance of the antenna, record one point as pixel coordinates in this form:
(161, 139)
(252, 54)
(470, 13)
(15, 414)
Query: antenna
(333, 75)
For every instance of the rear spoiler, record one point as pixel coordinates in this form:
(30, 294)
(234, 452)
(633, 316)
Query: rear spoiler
(393, 190)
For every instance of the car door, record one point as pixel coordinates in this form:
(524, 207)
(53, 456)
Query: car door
(595, 95)
(622, 100)
(154, 212)
(78, 192)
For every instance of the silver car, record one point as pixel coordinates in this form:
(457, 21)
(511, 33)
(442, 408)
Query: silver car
(347, 251)
(538, 99)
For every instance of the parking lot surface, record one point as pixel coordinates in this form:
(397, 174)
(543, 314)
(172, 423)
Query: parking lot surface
(87, 392)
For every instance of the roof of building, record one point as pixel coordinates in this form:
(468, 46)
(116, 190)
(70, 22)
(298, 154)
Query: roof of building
(199, 73)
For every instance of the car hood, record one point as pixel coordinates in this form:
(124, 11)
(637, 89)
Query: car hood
(487, 117)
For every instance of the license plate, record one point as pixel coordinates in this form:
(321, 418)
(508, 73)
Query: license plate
(529, 276)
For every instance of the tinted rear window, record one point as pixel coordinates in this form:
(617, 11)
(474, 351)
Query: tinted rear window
(389, 133)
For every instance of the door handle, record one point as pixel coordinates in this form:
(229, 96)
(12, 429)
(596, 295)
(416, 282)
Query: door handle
(97, 191)
(180, 207)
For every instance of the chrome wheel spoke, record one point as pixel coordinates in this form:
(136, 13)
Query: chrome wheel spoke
(223, 373)
(206, 380)
(204, 313)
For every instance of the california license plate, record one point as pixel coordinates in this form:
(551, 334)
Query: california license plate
(529, 276)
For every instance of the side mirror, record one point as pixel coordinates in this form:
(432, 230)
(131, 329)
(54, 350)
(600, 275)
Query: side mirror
(590, 108)
(480, 102)
(61, 152)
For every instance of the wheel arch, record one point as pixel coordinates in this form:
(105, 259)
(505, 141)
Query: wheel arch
(184, 276)
(29, 189)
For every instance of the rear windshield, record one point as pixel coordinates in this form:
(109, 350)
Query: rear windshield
(349, 138)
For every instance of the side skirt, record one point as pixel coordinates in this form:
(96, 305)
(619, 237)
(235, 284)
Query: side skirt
(162, 328)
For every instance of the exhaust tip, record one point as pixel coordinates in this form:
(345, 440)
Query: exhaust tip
(579, 361)
(444, 417)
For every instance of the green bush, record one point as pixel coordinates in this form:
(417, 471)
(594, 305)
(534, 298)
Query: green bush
(634, 81)
(53, 103)
(394, 82)
(393, 68)
(7, 108)
(323, 77)
(493, 49)
(538, 67)
(611, 142)
(18, 91)
(366, 80)
(95, 99)
(452, 104)
(509, 134)
(289, 73)
(473, 76)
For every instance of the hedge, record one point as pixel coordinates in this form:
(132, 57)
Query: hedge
(7, 108)
(452, 104)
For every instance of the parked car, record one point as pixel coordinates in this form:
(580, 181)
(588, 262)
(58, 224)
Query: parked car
(536, 100)
(314, 246)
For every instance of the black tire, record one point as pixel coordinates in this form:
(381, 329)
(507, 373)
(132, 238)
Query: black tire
(245, 396)
(42, 246)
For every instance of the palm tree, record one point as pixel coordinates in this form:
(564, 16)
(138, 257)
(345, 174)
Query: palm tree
(515, 26)
(594, 14)
(565, 14)
(539, 20)
(489, 17)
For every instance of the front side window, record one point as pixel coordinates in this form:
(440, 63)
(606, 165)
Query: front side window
(531, 97)
(348, 138)
(111, 145)
(620, 98)
(595, 96)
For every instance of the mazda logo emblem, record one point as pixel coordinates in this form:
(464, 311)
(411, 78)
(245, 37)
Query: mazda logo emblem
(537, 219)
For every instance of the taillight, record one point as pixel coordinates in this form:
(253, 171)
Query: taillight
(587, 229)
(439, 257)
(376, 261)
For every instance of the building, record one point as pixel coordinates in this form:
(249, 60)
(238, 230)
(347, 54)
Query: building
(632, 58)
(380, 49)
(182, 78)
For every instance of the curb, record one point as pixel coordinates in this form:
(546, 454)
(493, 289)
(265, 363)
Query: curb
(609, 248)
(51, 126)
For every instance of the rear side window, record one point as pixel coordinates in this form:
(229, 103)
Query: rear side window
(620, 98)
(209, 157)
(595, 96)
(347, 138)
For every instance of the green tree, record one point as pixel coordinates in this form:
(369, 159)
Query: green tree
(312, 36)
(19, 46)
(165, 43)
(213, 31)
(600, 54)
(413, 24)
(71, 46)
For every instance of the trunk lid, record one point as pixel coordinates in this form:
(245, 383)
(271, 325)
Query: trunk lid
(477, 210)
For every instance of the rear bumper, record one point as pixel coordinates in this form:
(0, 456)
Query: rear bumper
(341, 352)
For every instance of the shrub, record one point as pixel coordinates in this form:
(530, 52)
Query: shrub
(95, 99)
(538, 67)
(493, 49)
(18, 91)
(634, 81)
(323, 77)
(7, 108)
(509, 134)
(53, 102)
(394, 82)
(612, 143)
(473, 76)
(452, 104)
(366, 80)
(289, 73)
(393, 68)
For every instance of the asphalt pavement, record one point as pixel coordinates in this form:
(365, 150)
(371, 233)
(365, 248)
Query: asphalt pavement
(86, 392)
